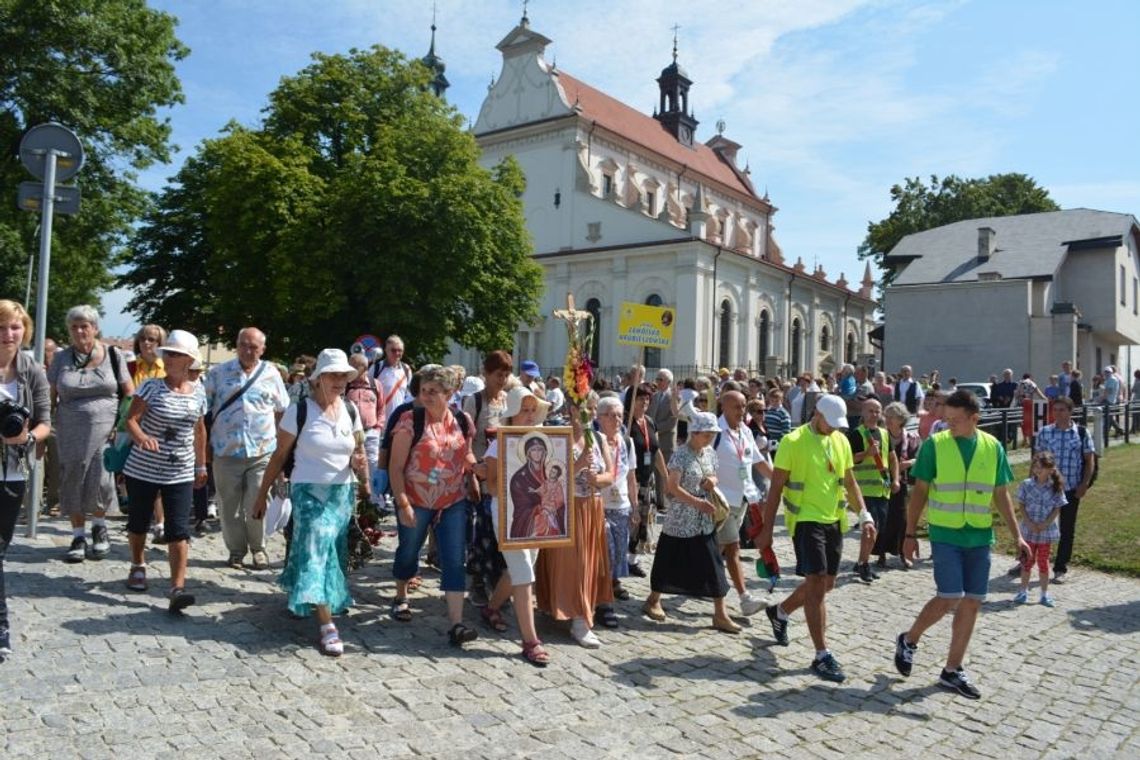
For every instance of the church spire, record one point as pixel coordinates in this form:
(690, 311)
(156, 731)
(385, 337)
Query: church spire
(439, 82)
(673, 111)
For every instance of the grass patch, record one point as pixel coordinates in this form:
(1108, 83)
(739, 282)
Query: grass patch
(1108, 523)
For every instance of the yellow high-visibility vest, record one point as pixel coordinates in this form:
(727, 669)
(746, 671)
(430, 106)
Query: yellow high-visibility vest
(867, 473)
(960, 496)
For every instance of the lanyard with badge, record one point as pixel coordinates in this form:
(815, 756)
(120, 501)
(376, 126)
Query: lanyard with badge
(742, 448)
(618, 451)
(647, 457)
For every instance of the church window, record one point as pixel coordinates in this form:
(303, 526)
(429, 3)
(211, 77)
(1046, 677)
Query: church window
(594, 306)
(765, 335)
(824, 339)
(850, 356)
(607, 185)
(651, 202)
(797, 336)
(653, 355)
(724, 358)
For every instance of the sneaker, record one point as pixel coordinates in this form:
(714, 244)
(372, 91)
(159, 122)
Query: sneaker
(260, 560)
(750, 605)
(779, 627)
(78, 550)
(1060, 577)
(874, 575)
(1047, 600)
(158, 535)
(5, 645)
(904, 654)
(583, 635)
(136, 580)
(863, 570)
(636, 571)
(100, 542)
(180, 599)
(958, 681)
(1021, 597)
(211, 511)
(828, 669)
(199, 528)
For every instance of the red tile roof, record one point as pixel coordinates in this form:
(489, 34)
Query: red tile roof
(646, 131)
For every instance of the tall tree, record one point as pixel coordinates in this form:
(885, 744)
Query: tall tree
(358, 206)
(920, 207)
(102, 68)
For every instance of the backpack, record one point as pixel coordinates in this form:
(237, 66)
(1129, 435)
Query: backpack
(1083, 434)
(419, 419)
(302, 415)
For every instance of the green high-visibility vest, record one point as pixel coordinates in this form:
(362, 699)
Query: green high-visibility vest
(960, 496)
(817, 495)
(867, 473)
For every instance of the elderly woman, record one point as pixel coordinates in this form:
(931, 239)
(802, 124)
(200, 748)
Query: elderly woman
(617, 499)
(688, 558)
(429, 466)
(573, 582)
(523, 409)
(168, 458)
(904, 445)
(486, 408)
(88, 381)
(147, 365)
(23, 384)
(326, 439)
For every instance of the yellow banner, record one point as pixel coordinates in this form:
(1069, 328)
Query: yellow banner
(641, 325)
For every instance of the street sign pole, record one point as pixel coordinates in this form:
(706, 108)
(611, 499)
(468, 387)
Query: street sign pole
(37, 489)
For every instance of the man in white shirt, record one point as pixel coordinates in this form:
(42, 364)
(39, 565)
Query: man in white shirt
(737, 455)
(393, 376)
(908, 391)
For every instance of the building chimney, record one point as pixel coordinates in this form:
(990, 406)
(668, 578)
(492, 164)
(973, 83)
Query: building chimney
(987, 246)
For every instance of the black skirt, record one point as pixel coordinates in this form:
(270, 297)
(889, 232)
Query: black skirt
(689, 567)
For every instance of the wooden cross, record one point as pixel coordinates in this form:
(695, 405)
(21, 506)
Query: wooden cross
(571, 316)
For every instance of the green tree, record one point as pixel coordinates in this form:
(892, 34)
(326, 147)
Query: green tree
(358, 206)
(920, 207)
(102, 68)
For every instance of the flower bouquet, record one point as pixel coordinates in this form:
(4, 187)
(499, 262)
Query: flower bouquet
(578, 373)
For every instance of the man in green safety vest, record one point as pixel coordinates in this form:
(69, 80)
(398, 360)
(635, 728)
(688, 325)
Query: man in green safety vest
(813, 470)
(877, 473)
(959, 473)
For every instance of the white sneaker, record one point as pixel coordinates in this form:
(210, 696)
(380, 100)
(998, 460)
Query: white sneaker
(211, 511)
(750, 605)
(584, 635)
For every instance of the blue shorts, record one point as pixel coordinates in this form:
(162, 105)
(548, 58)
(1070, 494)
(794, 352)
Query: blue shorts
(960, 572)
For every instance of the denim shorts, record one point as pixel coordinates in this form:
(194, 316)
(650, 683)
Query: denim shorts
(961, 572)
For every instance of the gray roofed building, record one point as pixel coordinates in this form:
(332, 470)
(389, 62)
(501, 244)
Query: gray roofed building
(1024, 292)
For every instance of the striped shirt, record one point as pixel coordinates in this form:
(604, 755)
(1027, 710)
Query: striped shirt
(778, 422)
(170, 417)
(1038, 500)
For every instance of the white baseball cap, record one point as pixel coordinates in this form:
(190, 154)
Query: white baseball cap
(833, 409)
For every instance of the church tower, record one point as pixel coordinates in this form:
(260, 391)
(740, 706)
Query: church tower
(673, 112)
(439, 83)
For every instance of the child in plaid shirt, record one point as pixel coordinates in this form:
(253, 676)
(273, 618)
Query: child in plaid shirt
(1041, 496)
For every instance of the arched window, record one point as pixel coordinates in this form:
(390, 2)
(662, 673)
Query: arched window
(765, 335)
(850, 356)
(653, 355)
(797, 337)
(724, 360)
(594, 306)
(824, 339)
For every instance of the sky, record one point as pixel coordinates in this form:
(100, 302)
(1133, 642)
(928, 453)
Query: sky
(833, 101)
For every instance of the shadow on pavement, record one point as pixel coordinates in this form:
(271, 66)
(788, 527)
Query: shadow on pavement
(831, 699)
(1112, 618)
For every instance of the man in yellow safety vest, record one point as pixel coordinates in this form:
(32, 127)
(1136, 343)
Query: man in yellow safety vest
(813, 470)
(959, 473)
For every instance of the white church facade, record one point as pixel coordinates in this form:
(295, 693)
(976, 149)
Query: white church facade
(623, 206)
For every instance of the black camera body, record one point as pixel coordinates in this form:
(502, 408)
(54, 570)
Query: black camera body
(13, 418)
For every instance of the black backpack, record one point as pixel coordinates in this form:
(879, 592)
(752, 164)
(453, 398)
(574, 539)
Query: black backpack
(419, 419)
(302, 415)
(1083, 434)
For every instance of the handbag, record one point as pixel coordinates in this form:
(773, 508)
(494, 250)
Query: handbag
(116, 452)
(720, 506)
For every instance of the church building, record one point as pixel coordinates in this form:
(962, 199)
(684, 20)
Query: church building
(623, 206)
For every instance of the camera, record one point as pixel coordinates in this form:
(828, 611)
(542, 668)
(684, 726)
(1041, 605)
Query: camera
(13, 418)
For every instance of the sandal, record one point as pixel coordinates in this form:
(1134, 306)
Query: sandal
(607, 616)
(136, 580)
(493, 619)
(653, 612)
(461, 634)
(330, 642)
(620, 592)
(400, 610)
(535, 654)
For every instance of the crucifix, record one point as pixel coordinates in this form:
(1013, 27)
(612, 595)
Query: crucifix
(676, 27)
(571, 316)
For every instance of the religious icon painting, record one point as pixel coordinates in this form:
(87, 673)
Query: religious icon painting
(536, 487)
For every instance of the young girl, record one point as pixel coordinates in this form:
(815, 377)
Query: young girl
(1041, 495)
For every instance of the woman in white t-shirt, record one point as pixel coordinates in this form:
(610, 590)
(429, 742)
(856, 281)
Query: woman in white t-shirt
(328, 455)
(523, 409)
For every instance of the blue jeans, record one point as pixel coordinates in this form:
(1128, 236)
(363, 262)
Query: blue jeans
(450, 540)
(961, 572)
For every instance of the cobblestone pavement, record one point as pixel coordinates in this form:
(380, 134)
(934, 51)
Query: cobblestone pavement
(101, 672)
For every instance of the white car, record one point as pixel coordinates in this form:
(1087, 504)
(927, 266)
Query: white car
(981, 390)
